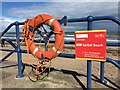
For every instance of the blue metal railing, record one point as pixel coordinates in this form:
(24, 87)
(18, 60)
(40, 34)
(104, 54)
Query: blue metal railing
(88, 19)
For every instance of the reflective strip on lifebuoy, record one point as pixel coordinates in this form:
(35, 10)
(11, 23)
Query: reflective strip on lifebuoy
(35, 50)
(37, 22)
(54, 49)
(51, 20)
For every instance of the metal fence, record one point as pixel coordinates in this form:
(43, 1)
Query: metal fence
(89, 20)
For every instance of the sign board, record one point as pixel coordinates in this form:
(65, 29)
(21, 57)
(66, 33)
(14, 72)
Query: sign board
(90, 45)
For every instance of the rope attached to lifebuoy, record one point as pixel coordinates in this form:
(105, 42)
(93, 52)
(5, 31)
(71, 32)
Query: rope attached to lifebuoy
(44, 57)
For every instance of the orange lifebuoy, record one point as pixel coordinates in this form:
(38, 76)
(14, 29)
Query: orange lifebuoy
(29, 36)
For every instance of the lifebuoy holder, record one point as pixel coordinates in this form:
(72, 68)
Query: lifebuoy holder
(32, 25)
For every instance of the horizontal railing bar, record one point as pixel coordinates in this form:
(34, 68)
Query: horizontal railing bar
(25, 51)
(66, 42)
(7, 29)
(114, 62)
(94, 18)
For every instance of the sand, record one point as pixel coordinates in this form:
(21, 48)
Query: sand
(65, 72)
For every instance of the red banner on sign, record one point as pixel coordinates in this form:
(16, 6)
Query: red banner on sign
(90, 45)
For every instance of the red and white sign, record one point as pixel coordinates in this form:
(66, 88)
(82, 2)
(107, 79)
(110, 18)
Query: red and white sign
(90, 45)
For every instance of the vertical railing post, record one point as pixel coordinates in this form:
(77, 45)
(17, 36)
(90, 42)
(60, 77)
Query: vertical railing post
(102, 64)
(89, 62)
(19, 56)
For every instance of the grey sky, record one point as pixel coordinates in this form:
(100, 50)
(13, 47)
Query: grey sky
(72, 10)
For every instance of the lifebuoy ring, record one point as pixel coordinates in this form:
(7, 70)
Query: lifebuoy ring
(28, 34)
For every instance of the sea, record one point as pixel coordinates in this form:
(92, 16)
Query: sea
(69, 36)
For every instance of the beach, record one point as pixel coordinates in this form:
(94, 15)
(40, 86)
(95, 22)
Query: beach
(66, 72)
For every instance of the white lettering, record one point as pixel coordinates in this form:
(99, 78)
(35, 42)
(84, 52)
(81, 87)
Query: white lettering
(87, 45)
(78, 44)
(98, 45)
(81, 35)
(90, 45)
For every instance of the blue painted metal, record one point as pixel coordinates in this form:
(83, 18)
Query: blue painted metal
(96, 18)
(114, 62)
(46, 40)
(78, 20)
(20, 65)
(89, 62)
(10, 42)
(89, 68)
(67, 55)
(113, 44)
(5, 57)
(66, 42)
(63, 21)
(89, 19)
(7, 29)
(12, 51)
(102, 64)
